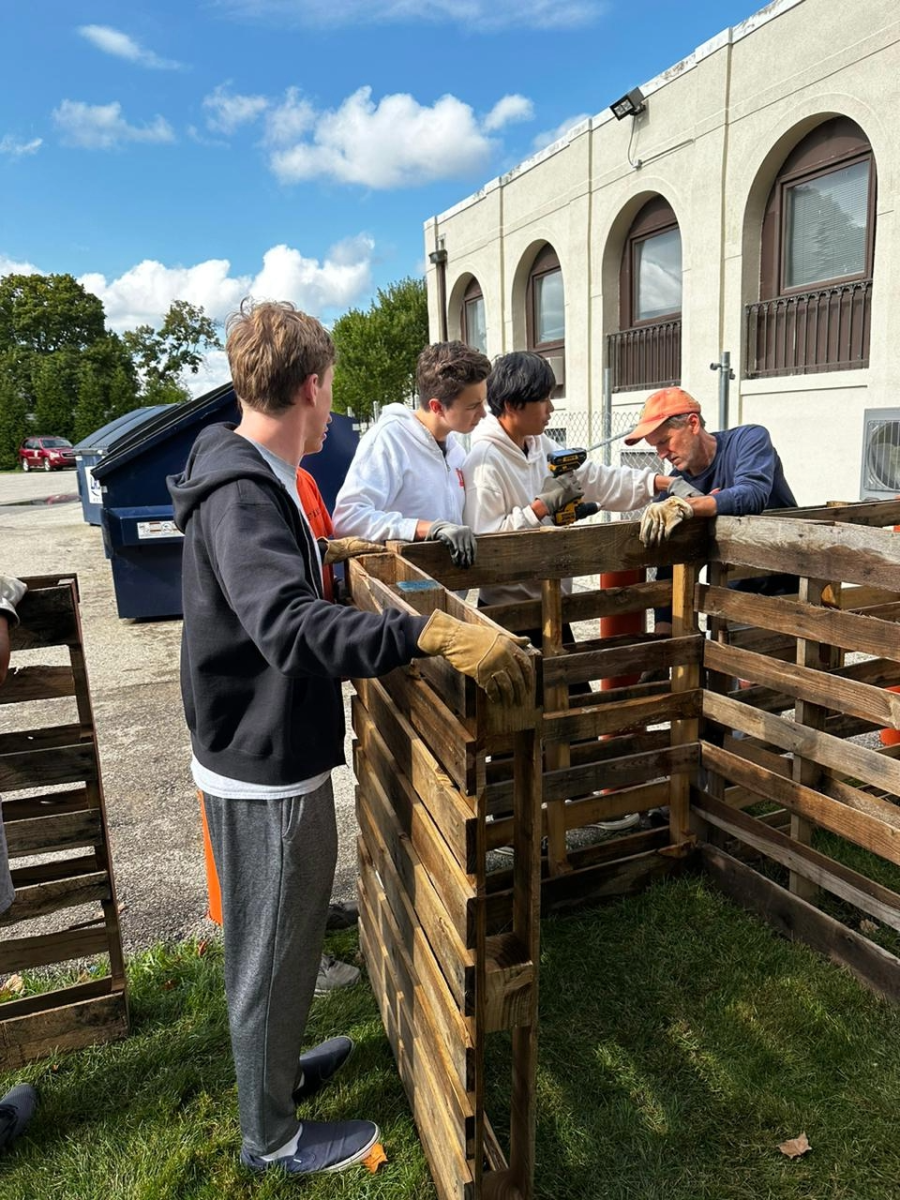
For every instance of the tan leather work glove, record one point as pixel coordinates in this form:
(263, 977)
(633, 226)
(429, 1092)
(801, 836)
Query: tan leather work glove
(494, 660)
(338, 550)
(661, 518)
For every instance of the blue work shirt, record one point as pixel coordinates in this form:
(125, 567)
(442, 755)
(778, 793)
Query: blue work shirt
(748, 471)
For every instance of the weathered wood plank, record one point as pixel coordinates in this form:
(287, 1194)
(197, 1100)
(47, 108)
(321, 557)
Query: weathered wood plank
(40, 950)
(43, 898)
(55, 765)
(880, 902)
(452, 812)
(549, 553)
(71, 1026)
(446, 738)
(798, 920)
(868, 635)
(37, 683)
(641, 655)
(597, 721)
(861, 828)
(850, 553)
(802, 683)
(47, 617)
(585, 606)
(59, 831)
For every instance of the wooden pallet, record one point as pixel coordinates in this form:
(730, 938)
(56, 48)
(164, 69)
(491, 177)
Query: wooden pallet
(45, 761)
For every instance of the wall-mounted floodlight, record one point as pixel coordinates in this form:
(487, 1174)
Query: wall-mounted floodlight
(631, 104)
(438, 256)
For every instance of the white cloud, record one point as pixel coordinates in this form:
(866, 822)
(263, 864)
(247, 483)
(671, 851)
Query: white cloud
(15, 149)
(549, 136)
(142, 295)
(394, 143)
(102, 126)
(226, 110)
(506, 110)
(214, 370)
(9, 266)
(290, 119)
(121, 45)
(480, 15)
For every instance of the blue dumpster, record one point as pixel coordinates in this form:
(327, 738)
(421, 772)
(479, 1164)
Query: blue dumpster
(139, 533)
(97, 445)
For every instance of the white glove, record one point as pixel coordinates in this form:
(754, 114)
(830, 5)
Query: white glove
(661, 518)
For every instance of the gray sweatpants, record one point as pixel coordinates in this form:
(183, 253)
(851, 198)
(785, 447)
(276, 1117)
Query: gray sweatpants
(276, 861)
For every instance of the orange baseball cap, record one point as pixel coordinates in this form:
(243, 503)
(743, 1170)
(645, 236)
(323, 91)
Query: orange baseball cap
(667, 402)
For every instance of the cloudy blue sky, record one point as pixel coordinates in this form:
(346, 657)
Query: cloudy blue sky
(289, 148)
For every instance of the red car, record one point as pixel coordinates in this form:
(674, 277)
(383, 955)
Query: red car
(46, 453)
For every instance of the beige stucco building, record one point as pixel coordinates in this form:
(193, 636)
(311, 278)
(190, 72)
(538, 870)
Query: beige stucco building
(748, 208)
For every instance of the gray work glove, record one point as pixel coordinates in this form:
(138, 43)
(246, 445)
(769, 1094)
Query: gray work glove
(559, 490)
(681, 487)
(661, 518)
(459, 538)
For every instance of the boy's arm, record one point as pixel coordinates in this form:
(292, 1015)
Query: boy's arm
(489, 507)
(617, 489)
(364, 503)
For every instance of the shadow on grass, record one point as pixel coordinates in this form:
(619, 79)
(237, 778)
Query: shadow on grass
(680, 1043)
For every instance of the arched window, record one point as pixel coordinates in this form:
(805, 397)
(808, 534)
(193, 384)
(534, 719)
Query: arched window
(646, 352)
(472, 321)
(545, 312)
(817, 257)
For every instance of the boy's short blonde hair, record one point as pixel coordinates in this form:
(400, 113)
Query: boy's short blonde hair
(272, 348)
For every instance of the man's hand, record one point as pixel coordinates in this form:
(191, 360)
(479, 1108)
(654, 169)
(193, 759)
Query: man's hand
(661, 518)
(494, 660)
(559, 490)
(459, 538)
(338, 550)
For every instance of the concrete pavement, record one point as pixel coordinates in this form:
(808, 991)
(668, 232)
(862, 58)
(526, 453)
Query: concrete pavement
(144, 745)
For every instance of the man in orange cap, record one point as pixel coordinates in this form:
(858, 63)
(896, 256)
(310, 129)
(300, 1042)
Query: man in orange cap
(735, 472)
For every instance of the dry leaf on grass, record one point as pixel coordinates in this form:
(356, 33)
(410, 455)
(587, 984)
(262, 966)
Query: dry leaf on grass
(868, 927)
(795, 1147)
(13, 986)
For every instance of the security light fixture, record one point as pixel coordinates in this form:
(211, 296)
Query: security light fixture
(631, 104)
(438, 256)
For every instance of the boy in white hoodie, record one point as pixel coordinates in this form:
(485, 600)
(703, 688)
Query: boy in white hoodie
(406, 480)
(508, 484)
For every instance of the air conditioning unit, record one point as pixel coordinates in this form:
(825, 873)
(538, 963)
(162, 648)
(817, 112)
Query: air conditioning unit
(880, 477)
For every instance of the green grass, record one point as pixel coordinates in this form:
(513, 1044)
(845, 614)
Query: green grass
(680, 1042)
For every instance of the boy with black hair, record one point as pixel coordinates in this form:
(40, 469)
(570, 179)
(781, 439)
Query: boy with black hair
(406, 479)
(263, 654)
(508, 485)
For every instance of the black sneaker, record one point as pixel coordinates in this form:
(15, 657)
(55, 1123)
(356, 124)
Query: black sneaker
(16, 1109)
(342, 914)
(323, 1146)
(320, 1064)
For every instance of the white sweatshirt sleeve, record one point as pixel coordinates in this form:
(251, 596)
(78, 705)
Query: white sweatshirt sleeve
(617, 489)
(11, 592)
(363, 506)
(489, 506)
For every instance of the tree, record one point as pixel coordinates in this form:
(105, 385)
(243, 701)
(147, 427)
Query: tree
(377, 349)
(107, 385)
(13, 412)
(40, 314)
(54, 389)
(162, 356)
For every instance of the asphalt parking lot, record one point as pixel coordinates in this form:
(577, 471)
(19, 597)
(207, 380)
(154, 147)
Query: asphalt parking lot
(144, 745)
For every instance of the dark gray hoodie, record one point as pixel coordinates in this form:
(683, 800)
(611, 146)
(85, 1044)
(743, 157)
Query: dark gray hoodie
(262, 653)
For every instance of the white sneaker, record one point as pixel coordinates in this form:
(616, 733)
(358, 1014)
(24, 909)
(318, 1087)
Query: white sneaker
(616, 824)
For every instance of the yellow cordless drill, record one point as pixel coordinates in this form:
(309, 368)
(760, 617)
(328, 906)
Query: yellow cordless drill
(561, 462)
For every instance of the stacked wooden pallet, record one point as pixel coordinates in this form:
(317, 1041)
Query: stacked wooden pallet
(57, 836)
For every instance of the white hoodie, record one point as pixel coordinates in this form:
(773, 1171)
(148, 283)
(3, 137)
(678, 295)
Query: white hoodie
(399, 476)
(502, 482)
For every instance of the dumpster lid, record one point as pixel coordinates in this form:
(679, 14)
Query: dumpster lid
(104, 437)
(173, 418)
